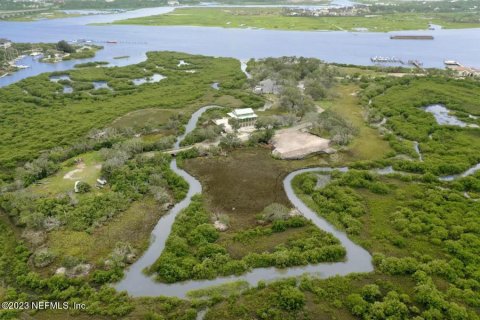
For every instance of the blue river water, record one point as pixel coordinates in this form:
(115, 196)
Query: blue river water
(332, 46)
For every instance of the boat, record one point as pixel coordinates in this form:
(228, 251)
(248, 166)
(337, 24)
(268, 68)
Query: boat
(112, 41)
(21, 66)
(411, 37)
(451, 63)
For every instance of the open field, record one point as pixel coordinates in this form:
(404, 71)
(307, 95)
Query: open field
(87, 170)
(368, 144)
(272, 18)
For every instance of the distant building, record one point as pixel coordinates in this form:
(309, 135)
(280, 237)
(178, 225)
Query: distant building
(267, 86)
(461, 70)
(246, 117)
(5, 44)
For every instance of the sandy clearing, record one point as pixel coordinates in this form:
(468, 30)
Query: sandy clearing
(70, 175)
(294, 144)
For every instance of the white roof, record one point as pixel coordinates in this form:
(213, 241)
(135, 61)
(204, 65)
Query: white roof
(242, 112)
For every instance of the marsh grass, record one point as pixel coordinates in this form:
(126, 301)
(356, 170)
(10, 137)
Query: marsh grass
(272, 18)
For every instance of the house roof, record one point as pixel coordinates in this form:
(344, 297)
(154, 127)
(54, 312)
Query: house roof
(246, 113)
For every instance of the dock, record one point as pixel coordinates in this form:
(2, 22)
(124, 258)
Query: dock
(380, 59)
(416, 63)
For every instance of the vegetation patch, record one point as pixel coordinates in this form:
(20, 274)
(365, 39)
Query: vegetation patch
(193, 249)
(445, 149)
(43, 118)
(278, 18)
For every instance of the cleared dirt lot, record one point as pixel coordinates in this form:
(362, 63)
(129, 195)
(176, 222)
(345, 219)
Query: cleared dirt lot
(293, 143)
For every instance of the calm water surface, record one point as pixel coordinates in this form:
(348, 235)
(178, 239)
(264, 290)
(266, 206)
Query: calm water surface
(332, 46)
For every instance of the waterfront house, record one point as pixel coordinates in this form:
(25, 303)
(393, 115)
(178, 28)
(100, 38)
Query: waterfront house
(5, 44)
(246, 117)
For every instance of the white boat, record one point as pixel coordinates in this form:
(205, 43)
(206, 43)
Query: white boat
(451, 63)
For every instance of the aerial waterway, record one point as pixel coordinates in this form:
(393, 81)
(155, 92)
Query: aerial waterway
(357, 259)
(133, 41)
(136, 283)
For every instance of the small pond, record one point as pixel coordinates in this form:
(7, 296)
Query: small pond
(67, 89)
(182, 63)
(443, 116)
(101, 85)
(155, 78)
(60, 77)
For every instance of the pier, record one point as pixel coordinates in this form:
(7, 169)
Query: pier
(380, 59)
(416, 63)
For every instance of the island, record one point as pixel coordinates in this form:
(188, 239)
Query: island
(382, 17)
(11, 53)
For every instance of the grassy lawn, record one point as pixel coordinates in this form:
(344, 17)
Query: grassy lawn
(88, 170)
(272, 18)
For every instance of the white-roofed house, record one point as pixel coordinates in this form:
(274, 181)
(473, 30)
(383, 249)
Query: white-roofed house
(5, 44)
(246, 117)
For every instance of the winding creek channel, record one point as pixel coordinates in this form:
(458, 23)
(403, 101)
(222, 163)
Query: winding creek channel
(357, 259)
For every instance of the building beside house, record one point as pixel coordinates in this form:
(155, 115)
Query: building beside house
(267, 86)
(5, 44)
(246, 117)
